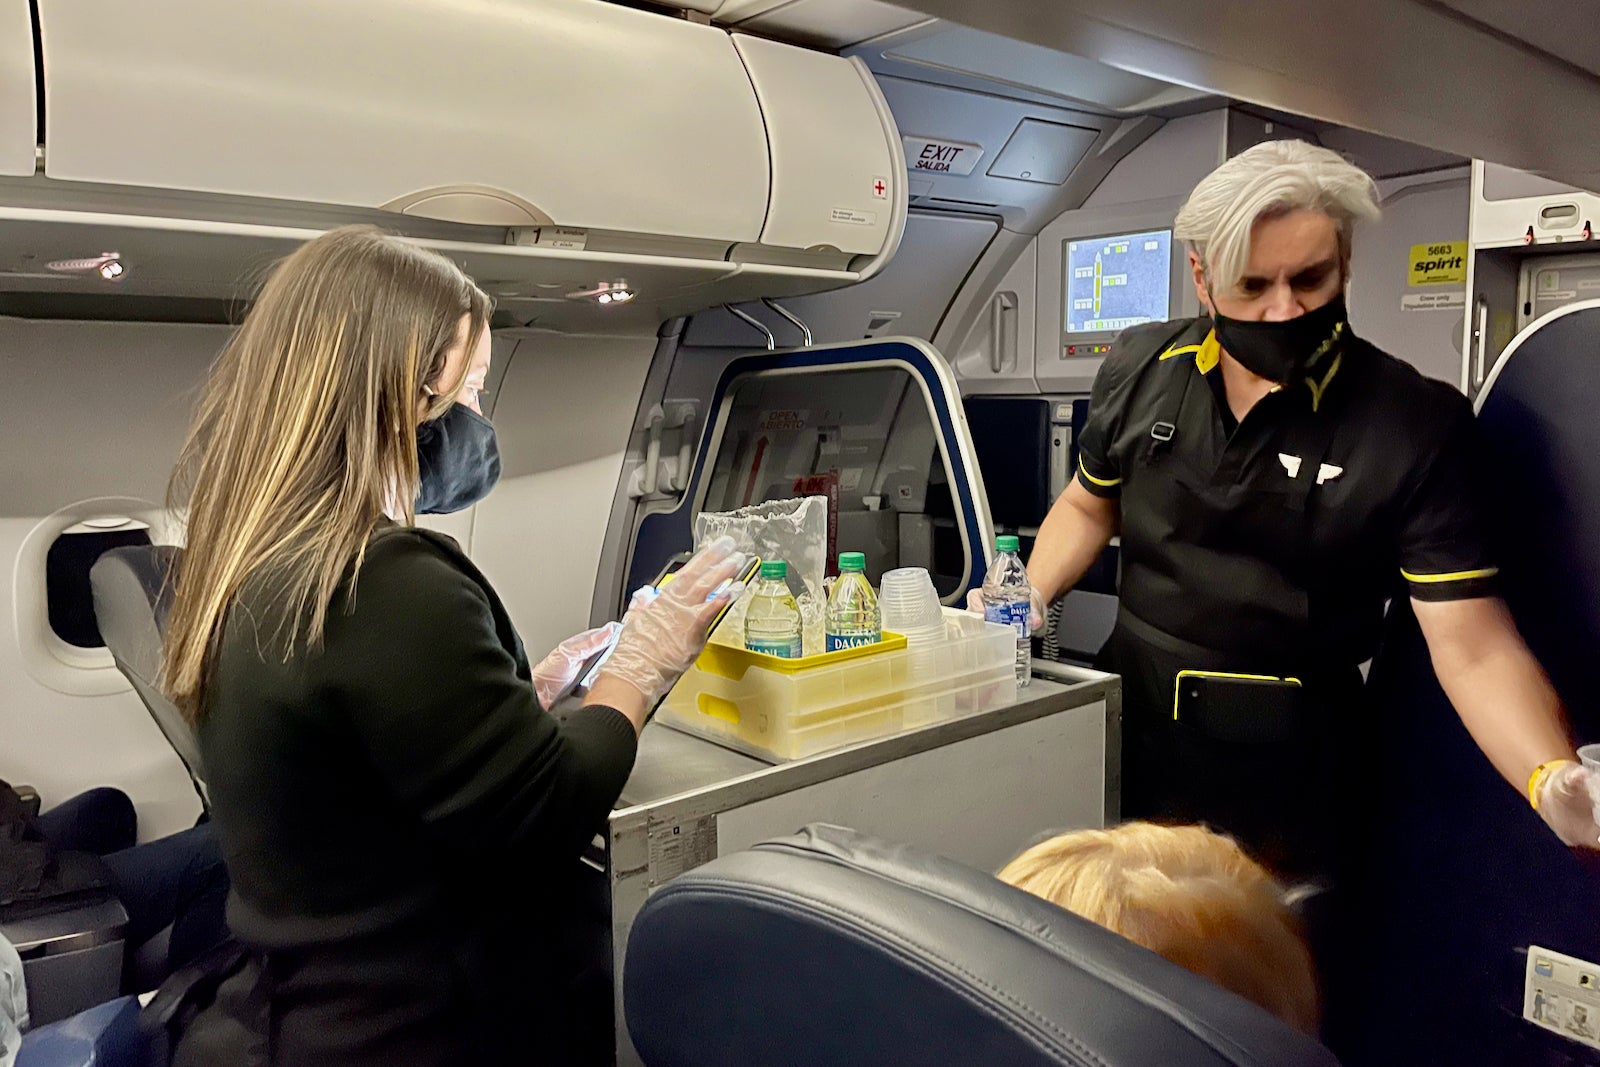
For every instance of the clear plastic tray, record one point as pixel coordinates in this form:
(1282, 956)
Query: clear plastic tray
(735, 699)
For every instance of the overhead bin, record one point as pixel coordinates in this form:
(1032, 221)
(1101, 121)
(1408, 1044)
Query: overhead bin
(833, 171)
(648, 133)
(573, 111)
(1512, 208)
(19, 137)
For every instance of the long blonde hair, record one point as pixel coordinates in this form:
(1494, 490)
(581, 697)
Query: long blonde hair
(306, 436)
(1188, 894)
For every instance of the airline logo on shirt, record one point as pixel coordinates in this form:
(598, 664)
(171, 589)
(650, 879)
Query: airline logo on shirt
(1327, 472)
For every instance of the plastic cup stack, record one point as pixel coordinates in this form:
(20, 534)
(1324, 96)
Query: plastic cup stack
(910, 606)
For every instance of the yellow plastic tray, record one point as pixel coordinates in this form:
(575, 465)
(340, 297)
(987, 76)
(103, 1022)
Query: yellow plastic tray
(730, 661)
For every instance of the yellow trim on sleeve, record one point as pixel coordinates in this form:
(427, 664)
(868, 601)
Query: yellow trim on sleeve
(1101, 482)
(1453, 576)
(1177, 688)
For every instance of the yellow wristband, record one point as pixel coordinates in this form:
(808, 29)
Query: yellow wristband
(1536, 779)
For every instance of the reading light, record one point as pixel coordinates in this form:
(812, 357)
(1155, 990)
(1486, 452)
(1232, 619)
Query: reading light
(108, 265)
(606, 294)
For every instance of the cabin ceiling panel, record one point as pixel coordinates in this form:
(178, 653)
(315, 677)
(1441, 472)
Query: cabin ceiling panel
(1403, 68)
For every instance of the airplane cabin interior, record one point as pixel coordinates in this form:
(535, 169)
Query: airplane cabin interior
(744, 251)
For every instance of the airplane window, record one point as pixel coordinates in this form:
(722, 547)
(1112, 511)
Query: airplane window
(67, 564)
(865, 435)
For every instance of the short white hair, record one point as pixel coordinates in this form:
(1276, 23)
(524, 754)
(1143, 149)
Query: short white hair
(1271, 179)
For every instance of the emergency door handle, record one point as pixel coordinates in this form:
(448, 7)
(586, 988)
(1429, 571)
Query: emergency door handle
(1480, 345)
(1002, 307)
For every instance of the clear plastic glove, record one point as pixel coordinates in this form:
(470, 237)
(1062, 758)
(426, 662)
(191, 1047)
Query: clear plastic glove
(662, 636)
(643, 596)
(556, 672)
(1569, 801)
(1035, 608)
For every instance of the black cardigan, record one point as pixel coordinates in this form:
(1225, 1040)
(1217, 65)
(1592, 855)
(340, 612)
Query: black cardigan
(402, 822)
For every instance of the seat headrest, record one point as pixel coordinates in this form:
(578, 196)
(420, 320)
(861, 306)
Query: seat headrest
(131, 602)
(132, 598)
(831, 947)
(1540, 472)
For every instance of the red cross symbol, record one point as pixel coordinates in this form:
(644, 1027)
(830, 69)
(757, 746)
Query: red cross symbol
(879, 187)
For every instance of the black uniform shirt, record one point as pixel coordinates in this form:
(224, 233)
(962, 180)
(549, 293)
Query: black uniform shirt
(1279, 538)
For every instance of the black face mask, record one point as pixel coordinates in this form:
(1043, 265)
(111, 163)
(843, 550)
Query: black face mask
(1284, 351)
(458, 461)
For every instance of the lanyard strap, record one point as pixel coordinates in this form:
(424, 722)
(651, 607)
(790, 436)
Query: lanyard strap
(1165, 429)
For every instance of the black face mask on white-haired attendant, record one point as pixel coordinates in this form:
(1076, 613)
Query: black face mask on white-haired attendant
(1284, 351)
(458, 461)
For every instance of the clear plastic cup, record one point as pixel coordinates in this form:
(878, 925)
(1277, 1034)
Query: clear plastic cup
(921, 635)
(909, 584)
(1589, 755)
(909, 602)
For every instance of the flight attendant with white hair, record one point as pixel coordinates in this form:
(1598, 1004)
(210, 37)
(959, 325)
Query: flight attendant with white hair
(1275, 479)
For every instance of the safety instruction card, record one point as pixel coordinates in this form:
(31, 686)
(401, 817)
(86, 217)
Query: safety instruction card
(1563, 994)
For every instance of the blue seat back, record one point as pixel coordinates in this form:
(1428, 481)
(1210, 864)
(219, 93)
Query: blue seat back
(1465, 875)
(833, 949)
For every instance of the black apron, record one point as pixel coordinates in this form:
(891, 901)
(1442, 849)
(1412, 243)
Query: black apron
(1280, 794)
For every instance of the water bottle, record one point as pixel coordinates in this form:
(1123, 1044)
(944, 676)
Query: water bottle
(1008, 600)
(853, 617)
(772, 618)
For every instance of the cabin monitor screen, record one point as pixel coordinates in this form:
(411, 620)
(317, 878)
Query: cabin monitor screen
(1116, 282)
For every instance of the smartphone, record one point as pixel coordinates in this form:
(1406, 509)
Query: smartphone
(1240, 708)
(591, 666)
(586, 674)
(751, 568)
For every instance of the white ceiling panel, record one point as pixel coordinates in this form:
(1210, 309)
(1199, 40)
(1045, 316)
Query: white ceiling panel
(1407, 69)
(1564, 28)
(1018, 64)
(820, 23)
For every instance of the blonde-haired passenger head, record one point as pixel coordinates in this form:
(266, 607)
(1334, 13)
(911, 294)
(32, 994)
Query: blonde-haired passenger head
(1188, 894)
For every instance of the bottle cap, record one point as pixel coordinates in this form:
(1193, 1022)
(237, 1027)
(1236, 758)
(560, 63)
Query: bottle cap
(774, 568)
(852, 561)
(1006, 543)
